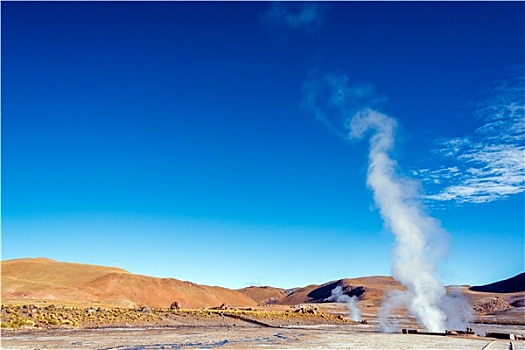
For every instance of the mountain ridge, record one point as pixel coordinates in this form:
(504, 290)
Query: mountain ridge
(46, 280)
(510, 285)
(83, 284)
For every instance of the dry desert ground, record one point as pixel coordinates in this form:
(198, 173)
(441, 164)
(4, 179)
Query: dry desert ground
(199, 330)
(52, 305)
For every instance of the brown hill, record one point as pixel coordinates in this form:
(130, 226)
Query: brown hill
(370, 289)
(44, 281)
(264, 295)
(47, 280)
(510, 285)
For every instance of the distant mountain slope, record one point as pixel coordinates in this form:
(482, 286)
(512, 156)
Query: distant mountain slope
(38, 280)
(264, 295)
(371, 289)
(78, 284)
(510, 285)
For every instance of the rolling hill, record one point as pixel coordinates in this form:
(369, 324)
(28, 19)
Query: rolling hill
(264, 295)
(510, 285)
(369, 290)
(47, 280)
(42, 279)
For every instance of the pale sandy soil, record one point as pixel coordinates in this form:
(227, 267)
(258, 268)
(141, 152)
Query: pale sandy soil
(193, 331)
(318, 337)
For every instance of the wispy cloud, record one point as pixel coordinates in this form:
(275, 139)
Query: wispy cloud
(334, 100)
(489, 164)
(297, 15)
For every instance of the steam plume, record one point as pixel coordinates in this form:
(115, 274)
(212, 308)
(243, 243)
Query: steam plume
(394, 300)
(397, 199)
(351, 302)
(419, 237)
(460, 313)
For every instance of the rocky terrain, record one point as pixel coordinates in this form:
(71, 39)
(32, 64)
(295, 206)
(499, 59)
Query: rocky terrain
(495, 304)
(42, 293)
(30, 316)
(54, 305)
(506, 307)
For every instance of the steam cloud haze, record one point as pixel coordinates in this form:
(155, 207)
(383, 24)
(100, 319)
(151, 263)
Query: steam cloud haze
(351, 302)
(419, 237)
(459, 312)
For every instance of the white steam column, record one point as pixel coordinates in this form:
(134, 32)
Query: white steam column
(401, 209)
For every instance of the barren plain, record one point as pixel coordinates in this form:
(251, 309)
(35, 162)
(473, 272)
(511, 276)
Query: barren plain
(52, 305)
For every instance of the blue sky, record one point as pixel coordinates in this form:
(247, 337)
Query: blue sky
(175, 139)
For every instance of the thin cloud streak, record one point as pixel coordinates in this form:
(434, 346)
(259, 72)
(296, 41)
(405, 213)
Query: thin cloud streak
(488, 165)
(334, 100)
(304, 15)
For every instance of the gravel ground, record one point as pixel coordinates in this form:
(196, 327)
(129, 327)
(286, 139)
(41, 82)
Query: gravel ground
(208, 329)
(198, 337)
